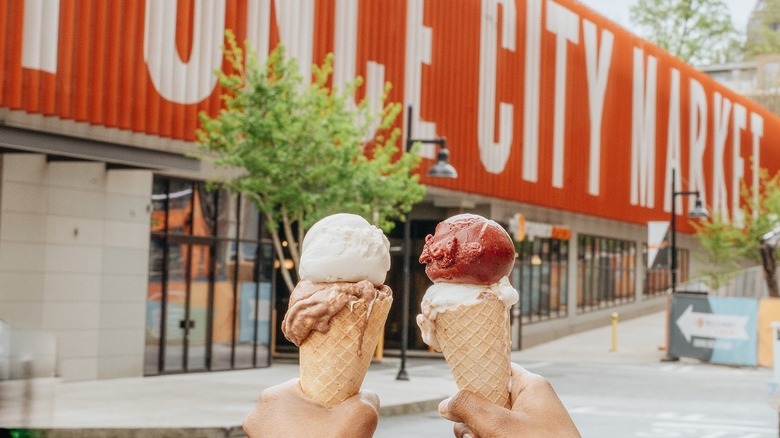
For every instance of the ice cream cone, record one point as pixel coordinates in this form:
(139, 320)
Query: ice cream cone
(476, 342)
(334, 364)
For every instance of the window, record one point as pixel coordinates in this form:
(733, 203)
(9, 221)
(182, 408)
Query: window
(540, 275)
(209, 292)
(605, 272)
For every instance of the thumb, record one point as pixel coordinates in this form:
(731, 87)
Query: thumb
(475, 411)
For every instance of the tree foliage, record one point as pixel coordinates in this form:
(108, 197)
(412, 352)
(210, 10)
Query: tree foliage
(296, 148)
(729, 244)
(763, 38)
(699, 32)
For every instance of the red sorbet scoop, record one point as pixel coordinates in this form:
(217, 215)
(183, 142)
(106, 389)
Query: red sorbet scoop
(468, 248)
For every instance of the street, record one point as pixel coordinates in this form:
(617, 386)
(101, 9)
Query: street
(649, 400)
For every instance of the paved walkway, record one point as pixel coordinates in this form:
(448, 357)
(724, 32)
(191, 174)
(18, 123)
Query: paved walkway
(214, 404)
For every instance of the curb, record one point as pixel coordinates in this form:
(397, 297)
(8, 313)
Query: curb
(196, 432)
(152, 432)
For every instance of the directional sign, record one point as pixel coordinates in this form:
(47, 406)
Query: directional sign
(710, 325)
(714, 329)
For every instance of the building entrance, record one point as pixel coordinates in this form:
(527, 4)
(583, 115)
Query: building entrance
(208, 301)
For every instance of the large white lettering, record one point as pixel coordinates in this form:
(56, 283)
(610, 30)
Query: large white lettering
(757, 129)
(418, 51)
(40, 35)
(295, 19)
(643, 131)
(697, 140)
(494, 155)
(176, 80)
(598, 60)
(345, 62)
(739, 123)
(565, 25)
(533, 61)
(258, 27)
(673, 144)
(721, 118)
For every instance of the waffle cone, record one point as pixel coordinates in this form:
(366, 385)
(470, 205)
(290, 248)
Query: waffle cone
(476, 342)
(334, 364)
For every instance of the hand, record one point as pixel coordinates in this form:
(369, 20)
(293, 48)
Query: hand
(284, 410)
(536, 411)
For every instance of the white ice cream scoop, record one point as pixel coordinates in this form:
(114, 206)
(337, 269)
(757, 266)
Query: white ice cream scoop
(344, 247)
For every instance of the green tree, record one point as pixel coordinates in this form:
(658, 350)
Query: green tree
(696, 31)
(296, 148)
(727, 244)
(763, 36)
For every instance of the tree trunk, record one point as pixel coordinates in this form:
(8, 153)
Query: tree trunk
(770, 269)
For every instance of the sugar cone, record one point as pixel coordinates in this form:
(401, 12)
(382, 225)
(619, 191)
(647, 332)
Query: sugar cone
(476, 342)
(334, 364)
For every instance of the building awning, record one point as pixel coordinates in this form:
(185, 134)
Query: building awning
(64, 147)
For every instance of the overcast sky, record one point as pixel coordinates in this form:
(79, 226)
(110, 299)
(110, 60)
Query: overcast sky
(617, 11)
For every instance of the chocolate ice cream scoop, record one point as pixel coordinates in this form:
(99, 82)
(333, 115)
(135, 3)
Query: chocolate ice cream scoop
(468, 248)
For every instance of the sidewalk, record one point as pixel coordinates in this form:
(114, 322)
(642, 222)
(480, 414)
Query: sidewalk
(214, 404)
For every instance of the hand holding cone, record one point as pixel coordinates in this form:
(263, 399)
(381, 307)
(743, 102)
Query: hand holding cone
(465, 314)
(338, 310)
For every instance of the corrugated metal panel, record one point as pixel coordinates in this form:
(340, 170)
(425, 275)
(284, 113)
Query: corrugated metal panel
(146, 66)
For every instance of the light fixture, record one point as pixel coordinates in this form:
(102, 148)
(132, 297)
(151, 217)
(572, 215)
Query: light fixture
(443, 168)
(698, 212)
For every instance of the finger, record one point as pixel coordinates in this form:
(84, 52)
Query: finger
(371, 398)
(291, 386)
(475, 411)
(463, 431)
(359, 414)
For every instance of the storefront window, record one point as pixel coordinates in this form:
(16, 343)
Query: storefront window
(605, 272)
(209, 296)
(658, 277)
(540, 276)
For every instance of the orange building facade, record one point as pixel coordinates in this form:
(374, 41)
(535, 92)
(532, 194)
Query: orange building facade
(549, 110)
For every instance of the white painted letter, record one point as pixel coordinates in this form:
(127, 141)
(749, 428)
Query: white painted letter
(698, 140)
(345, 61)
(721, 118)
(494, 155)
(40, 35)
(739, 123)
(533, 61)
(673, 144)
(757, 129)
(295, 19)
(175, 80)
(643, 131)
(418, 51)
(597, 61)
(565, 24)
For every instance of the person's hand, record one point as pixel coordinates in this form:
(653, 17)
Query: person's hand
(536, 411)
(285, 411)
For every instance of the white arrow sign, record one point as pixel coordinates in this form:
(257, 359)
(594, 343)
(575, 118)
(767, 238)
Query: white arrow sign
(709, 325)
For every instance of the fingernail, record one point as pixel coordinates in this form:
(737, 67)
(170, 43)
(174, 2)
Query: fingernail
(444, 404)
(467, 435)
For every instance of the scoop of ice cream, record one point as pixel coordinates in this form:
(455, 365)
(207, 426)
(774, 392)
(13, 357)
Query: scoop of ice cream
(441, 297)
(344, 247)
(468, 248)
(313, 305)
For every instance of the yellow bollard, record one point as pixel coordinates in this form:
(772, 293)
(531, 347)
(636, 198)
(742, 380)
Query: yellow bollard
(614, 330)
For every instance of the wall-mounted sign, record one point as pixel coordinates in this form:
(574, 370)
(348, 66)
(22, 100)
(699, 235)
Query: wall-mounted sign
(522, 229)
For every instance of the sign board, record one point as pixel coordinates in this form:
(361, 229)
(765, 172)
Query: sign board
(714, 329)
(522, 229)
(657, 244)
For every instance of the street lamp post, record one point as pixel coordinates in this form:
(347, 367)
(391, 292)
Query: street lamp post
(442, 169)
(698, 212)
